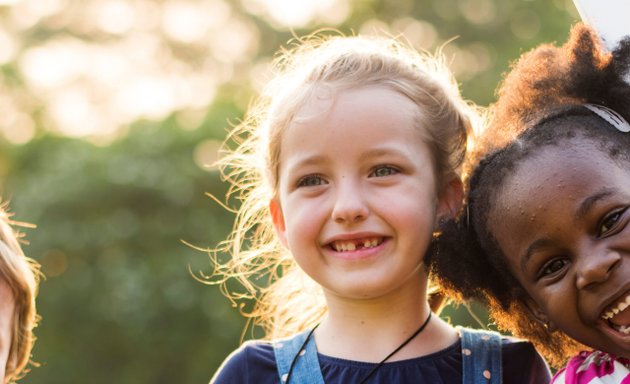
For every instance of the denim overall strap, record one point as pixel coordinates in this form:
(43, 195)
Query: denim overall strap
(481, 356)
(306, 369)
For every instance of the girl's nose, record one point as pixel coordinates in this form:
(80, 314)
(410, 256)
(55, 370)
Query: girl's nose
(596, 267)
(349, 206)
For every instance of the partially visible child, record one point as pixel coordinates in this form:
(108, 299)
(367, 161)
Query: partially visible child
(19, 279)
(344, 168)
(545, 234)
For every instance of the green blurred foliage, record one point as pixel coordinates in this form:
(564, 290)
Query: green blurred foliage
(120, 303)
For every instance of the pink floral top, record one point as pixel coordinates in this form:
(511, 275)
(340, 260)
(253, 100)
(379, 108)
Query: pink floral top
(594, 367)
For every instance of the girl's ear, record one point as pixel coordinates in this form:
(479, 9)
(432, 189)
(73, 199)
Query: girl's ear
(540, 315)
(450, 200)
(278, 221)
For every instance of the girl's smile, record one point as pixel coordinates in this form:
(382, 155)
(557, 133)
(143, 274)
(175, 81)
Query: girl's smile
(618, 314)
(356, 246)
(572, 254)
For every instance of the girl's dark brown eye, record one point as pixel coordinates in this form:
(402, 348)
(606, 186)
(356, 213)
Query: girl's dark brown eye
(609, 223)
(552, 267)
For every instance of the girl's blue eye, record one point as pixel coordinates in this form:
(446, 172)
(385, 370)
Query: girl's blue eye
(311, 181)
(552, 267)
(609, 223)
(383, 170)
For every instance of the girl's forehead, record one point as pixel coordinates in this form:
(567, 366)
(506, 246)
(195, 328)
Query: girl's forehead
(327, 101)
(557, 171)
(318, 101)
(356, 121)
(547, 193)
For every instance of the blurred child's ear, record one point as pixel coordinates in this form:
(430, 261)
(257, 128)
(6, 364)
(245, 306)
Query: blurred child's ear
(278, 221)
(450, 199)
(540, 315)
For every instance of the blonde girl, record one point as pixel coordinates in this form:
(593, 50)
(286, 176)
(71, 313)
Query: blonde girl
(344, 167)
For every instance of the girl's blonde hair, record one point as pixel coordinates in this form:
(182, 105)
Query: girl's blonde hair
(287, 301)
(22, 275)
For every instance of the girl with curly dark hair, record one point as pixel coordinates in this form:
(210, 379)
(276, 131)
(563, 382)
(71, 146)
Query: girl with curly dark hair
(544, 238)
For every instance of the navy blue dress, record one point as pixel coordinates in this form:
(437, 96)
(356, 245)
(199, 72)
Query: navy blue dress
(254, 362)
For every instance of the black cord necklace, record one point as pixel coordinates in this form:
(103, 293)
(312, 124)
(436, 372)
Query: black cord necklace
(377, 366)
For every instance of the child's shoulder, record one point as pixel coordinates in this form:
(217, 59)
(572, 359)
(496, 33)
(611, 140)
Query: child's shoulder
(253, 361)
(520, 362)
(519, 355)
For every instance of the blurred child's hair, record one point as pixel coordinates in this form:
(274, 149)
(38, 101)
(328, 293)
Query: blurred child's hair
(22, 275)
(288, 301)
(540, 104)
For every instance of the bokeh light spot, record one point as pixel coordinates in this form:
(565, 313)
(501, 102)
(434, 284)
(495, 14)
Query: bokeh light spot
(54, 263)
(206, 154)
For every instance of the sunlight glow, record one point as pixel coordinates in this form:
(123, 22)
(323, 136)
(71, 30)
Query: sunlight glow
(525, 25)
(237, 41)
(478, 11)
(53, 64)
(102, 65)
(8, 47)
(183, 22)
(115, 17)
(76, 115)
(290, 13)
(95, 67)
(21, 131)
(420, 34)
(17, 127)
(27, 13)
(206, 154)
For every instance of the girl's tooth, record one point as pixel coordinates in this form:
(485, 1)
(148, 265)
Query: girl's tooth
(623, 306)
(616, 310)
(352, 246)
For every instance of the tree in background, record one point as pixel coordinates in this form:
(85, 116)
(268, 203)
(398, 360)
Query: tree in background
(111, 113)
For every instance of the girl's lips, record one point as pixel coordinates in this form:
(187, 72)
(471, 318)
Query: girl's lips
(359, 248)
(616, 318)
(356, 244)
(619, 312)
(615, 332)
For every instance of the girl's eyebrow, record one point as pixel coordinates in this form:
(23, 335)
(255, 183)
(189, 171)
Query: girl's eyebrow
(382, 151)
(371, 153)
(588, 203)
(533, 247)
(306, 161)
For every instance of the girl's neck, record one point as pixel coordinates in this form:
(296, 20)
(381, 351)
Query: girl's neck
(368, 330)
